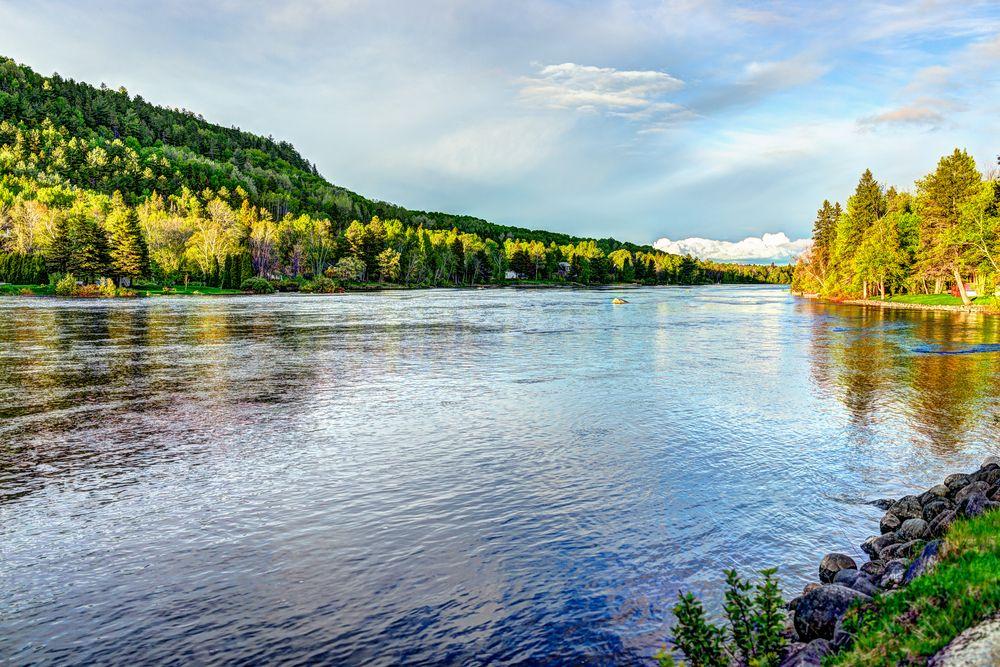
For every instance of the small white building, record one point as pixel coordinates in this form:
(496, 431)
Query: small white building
(513, 275)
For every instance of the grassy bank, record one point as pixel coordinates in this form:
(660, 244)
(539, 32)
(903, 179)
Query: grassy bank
(913, 623)
(940, 300)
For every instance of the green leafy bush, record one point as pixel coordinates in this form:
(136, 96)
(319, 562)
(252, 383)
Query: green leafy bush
(66, 285)
(322, 285)
(257, 286)
(755, 615)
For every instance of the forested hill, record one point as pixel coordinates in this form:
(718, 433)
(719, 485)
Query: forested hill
(100, 183)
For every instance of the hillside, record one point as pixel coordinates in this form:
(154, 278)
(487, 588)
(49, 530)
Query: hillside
(96, 181)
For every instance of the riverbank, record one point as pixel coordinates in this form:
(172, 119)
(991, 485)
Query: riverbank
(989, 305)
(928, 592)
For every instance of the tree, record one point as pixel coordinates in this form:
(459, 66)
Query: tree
(388, 264)
(126, 247)
(944, 242)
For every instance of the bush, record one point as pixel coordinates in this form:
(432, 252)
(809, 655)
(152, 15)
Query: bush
(288, 285)
(756, 619)
(65, 285)
(322, 285)
(257, 286)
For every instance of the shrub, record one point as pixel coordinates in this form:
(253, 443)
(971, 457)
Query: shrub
(257, 286)
(322, 285)
(66, 285)
(756, 619)
(288, 285)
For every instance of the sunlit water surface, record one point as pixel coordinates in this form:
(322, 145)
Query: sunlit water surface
(464, 477)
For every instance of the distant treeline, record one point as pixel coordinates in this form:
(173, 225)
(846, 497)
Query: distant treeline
(945, 235)
(96, 182)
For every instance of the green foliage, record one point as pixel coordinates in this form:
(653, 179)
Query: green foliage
(755, 621)
(256, 285)
(66, 285)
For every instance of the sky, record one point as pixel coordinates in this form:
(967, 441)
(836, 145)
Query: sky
(721, 125)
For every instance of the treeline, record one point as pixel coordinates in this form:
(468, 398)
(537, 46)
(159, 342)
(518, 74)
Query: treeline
(944, 236)
(98, 183)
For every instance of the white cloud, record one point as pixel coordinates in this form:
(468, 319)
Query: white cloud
(768, 248)
(635, 94)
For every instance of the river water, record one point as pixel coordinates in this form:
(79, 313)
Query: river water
(465, 477)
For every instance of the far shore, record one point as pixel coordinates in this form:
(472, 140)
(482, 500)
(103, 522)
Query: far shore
(987, 309)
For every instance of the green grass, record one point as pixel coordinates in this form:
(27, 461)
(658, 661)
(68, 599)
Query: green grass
(920, 619)
(182, 290)
(18, 290)
(940, 300)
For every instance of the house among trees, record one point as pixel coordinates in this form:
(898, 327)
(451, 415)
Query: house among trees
(563, 269)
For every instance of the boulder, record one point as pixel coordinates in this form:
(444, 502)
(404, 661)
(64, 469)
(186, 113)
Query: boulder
(941, 522)
(935, 507)
(807, 655)
(832, 564)
(956, 482)
(865, 583)
(793, 603)
(882, 503)
(846, 576)
(989, 475)
(908, 507)
(990, 460)
(873, 568)
(842, 639)
(975, 504)
(978, 645)
(889, 523)
(914, 529)
(994, 492)
(818, 612)
(901, 550)
(810, 587)
(969, 489)
(893, 575)
(928, 558)
(937, 491)
(874, 545)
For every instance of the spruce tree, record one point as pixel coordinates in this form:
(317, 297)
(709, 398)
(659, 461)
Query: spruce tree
(126, 247)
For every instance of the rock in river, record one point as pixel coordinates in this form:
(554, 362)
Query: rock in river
(808, 655)
(834, 563)
(818, 611)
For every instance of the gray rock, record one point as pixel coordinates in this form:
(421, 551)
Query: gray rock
(928, 558)
(846, 576)
(810, 587)
(893, 575)
(979, 645)
(974, 505)
(807, 655)
(939, 490)
(832, 564)
(889, 523)
(988, 475)
(990, 460)
(969, 489)
(793, 603)
(956, 482)
(941, 522)
(873, 568)
(842, 639)
(882, 503)
(935, 507)
(914, 529)
(874, 545)
(818, 612)
(908, 507)
(901, 550)
(994, 492)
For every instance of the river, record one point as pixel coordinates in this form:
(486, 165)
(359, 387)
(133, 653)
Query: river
(450, 476)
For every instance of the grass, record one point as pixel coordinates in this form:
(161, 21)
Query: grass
(940, 300)
(183, 290)
(24, 290)
(917, 621)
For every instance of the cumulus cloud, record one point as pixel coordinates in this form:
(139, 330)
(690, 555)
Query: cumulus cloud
(635, 94)
(767, 248)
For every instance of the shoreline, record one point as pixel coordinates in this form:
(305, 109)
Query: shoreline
(896, 305)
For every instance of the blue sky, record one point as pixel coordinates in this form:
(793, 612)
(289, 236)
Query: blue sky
(640, 120)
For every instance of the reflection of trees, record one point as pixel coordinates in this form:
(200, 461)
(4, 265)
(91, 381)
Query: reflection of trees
(902, 363)
(103, 386)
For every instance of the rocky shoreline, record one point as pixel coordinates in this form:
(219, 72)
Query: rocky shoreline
(909, 545)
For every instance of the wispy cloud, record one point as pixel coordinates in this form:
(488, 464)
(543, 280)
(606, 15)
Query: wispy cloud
(634, 94)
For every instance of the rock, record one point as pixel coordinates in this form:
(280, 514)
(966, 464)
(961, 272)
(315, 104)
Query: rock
(873, 568)
(928, 558)
(889, 523)
(901, 550)
(865, 583)
(893, 575)
(793, 603)
(618, 301)
(842, 639)
(914, 529)
(908, 507)
(990, 460)
(807, 655)
(818, 612)
(882, 503)
(845, 577)
(873, 546)
(833, 563)
(810, 587)
(974, 505)
(994, 492)
(941, 522)
(938, 492)
(969, 489)
(979, 645)
(956, 482)
(988, 476)
(934, 508)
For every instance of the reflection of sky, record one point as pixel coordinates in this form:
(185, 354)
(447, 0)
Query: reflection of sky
(465, 475)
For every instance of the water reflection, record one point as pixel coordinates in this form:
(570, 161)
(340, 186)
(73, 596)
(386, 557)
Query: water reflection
(472, 477)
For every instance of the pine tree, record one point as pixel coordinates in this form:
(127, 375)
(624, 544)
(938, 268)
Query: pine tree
(60, 250)
(126, 247)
